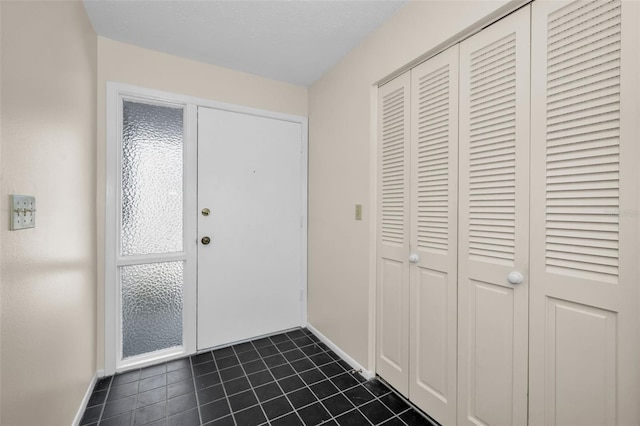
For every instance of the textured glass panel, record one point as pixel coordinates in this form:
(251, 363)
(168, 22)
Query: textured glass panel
(151, 179)
(151, 307)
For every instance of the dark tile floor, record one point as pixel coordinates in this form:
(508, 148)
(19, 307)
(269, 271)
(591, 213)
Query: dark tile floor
(284, 380)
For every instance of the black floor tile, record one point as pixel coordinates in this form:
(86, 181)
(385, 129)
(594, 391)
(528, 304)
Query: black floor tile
(200, 358)
(302, 397)
(314, 414)
(337, 404)
(268, 391)
(359, 395)
(152, 383)
(153, 371)
(119, 406)
(178, 364)
(223, 353)
(324, 389)
(394, 403)
(180, 388)
(181, 403)
(119, 420)
(288, 379)
(150, 413)
(254, 366)
(288, 420)
(214, 410)
(250, 417)
(211, 394)
(376, 387)
(97, 398)
(231, 373)
(152, 396)
(344, 381)
(225, 421)
(376, 412)
(236, 385)
(277, 407)
(242, 400)
(290, 384)
(394, 421)
(312, 376)
(412, 418)
(352, 418)
(178, 375)
(128, 377)
(248, 356)
(186, 418)
(227, 362)
(204, 368)
(260, 378)
(282, 371)
(91, 415)
(117, 392)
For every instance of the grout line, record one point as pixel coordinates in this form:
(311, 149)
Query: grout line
(195, 390)
(215, 361)
(251, 385)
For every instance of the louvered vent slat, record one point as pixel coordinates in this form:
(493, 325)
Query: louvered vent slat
(583, 137)
(433, 159)
(393, 166)
(492, 151)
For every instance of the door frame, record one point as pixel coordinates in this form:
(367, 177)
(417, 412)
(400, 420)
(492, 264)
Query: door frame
(115, 92)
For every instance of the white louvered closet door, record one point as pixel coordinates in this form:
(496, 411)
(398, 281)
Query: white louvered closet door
(584, 360)
(434, 212)
(494, 223)
(392, 313)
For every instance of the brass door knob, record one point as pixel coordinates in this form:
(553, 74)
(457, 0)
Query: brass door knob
(206, 212)
(205, 240)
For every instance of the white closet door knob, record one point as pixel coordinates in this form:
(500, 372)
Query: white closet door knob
(414, 258)
(515, 277)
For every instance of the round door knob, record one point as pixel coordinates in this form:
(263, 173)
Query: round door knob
(414, 258)
(206, 212)
(515, 277)
(205, 240)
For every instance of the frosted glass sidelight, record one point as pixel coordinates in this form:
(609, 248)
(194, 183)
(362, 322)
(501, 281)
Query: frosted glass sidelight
(152, 175)
(151, 307)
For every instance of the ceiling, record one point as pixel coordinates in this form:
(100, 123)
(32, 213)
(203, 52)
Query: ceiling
(294, 41)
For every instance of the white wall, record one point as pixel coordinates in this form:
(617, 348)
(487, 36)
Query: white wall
(129, 64)
(47, 274)
(340, 148)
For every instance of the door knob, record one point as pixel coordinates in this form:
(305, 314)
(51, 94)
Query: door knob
(515, 277)
(206, 212)
(205, 240)
(414, 258)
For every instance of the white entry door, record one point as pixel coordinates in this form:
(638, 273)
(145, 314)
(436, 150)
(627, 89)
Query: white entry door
(252, 179)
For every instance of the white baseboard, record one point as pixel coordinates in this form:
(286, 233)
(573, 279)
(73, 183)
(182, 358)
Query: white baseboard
(85, 400)
(367, 374)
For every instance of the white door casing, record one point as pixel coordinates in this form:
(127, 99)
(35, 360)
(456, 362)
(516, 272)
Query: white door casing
(584, 365)
(252, 177)
(434, 236)
(494, 223)
(392, 271)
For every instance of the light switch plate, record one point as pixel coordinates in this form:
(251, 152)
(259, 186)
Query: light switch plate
(23, 212)
(358, 211)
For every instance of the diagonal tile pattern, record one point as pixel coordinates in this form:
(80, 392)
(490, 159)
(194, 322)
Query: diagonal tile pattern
(283, 380)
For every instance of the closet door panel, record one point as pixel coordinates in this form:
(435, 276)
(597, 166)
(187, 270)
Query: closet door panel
(584, 170)
(434, 185)
(494, 223)
(392, 310)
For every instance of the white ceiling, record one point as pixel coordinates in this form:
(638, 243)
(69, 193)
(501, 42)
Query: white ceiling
(295, 41)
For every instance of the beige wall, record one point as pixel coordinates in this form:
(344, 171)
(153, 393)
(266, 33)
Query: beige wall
(339, 163)
(48, 274)
(129, 64)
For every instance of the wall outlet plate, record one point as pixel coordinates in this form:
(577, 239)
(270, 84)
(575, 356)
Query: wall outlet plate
(23, 212)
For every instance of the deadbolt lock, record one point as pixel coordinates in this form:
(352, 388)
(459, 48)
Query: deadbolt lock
(205, 240)
(206, 212)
